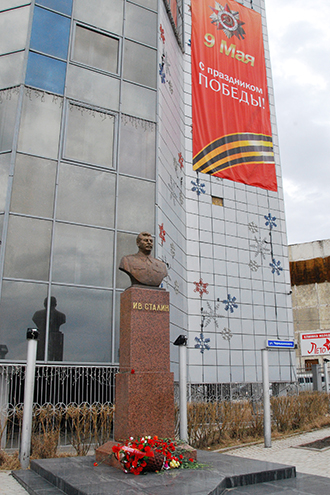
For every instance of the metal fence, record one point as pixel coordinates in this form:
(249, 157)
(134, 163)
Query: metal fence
(64, 395)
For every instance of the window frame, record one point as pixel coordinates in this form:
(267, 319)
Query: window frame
(103, 33)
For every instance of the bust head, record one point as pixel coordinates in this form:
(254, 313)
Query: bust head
(145, 242)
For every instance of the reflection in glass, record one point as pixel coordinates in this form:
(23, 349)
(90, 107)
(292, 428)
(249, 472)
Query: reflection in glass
(95, 14)
(27, 248)
(4, 175)
(141, 25)
(8, 105)
(136, 205)
(140, 64)
(40, 123)
(50, 33)
(45, 73)
(88, 323)
(126, 244)
(55, 336)
(83, 255)
(92, 87)
(137, 147)
(96, 49)
(117, 327)
(19, 301)
(86, 196)
(14, 21)
(90, 136)
(139, 101)
(64, 6)
(33, 186)
(11, 69)
(150, 4)
(1, 227)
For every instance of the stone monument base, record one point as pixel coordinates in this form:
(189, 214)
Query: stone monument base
(144, 403)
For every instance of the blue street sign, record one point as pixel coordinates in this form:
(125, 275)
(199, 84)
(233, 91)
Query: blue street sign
(280, 344)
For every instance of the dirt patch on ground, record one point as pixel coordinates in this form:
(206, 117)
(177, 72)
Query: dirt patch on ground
(322, 444)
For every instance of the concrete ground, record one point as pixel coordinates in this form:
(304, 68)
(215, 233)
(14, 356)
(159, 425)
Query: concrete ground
(284, 451)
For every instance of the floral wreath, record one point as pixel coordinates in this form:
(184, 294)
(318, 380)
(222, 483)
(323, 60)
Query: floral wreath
(143, 454)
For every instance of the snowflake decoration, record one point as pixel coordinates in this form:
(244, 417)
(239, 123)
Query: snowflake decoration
(162, 34)
(230, 303)
(253, 227)
(270, 221)
(201, 287)
(172, 249)
(162, 233)
(166, 63)
(176, 287)
(167, 280)
(254, 266)
(180, 160)
(226, 334)
(275, 266)
(164, 260)
(170, 85)
(202, 343)
(198, 187)
(162, 73)
(211, 314)
(260, 247)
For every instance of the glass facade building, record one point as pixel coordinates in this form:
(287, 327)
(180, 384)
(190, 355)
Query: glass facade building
(95, 147)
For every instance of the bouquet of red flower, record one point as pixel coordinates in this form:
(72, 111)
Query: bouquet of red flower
(146, 454)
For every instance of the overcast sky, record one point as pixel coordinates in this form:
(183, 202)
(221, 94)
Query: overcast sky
(299, 38)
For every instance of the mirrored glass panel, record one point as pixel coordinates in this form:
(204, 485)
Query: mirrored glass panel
(136, 205)
(4, 176)
(19, 302)
(126, 244)
(87, 329)
(95, 49)
(33, 186)
(11, 69)
(86, 196)
(150, 4)
(90, 136)
(45, 73)
(140, 64)
(83, 255)
(27, 248)
(40, 123)
(50, 316)
(10, 4)
(14, 21)
(138, 101)
(139, 158)
(117, 327)
(50, 33)
(141, 25)
(64, 6)
(92, 87)
(1, 226)
(105, 14)
(8, 106)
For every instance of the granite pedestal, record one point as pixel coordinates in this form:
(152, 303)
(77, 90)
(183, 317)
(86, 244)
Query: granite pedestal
(144, 402)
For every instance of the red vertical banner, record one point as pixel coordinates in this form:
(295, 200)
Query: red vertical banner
(232, 135)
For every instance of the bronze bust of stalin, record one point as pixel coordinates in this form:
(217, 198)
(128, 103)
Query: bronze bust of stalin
(142, 268)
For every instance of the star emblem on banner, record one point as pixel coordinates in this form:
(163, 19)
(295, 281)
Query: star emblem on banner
(227, 20)
(201, 287)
